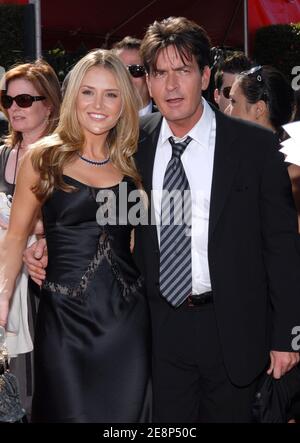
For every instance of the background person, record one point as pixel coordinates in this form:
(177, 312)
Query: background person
(30, 100)
(128, 50)
(226, 73)
(264, 96)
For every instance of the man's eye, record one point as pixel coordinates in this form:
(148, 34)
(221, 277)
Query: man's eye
(158, 74)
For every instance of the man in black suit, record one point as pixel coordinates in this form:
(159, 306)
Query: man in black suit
(235, 322)
(212, 340)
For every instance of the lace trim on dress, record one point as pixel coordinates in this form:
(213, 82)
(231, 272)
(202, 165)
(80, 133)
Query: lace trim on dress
(103, 251)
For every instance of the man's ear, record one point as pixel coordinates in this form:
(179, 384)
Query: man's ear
(205, 77)
(216, 96)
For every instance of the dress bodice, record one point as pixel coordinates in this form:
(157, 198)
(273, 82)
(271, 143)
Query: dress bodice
(74, 237)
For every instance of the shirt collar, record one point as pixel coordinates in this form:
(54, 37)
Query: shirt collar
(200, 132)
(146, 110)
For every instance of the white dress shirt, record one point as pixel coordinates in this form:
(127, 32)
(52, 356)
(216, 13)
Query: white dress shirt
(197, 160)
(146, 110)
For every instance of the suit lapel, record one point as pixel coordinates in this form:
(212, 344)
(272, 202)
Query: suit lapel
(226, 160)
(148, 145)
(147, 149)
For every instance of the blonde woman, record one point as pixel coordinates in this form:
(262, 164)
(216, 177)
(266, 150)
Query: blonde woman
(91, 342)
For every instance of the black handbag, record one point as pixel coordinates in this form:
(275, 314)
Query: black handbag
(11, 410)
(274, 397)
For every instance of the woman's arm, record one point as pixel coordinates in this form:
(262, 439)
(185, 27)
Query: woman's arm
(24, 211)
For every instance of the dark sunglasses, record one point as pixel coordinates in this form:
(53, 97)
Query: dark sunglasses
(226, 92)
(136, 70)
(22, 100)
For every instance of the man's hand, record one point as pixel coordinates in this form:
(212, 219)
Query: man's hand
(282, 362)
(38, 228)
(36, 259)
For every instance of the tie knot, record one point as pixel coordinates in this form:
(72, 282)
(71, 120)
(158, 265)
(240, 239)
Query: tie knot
(179, 148)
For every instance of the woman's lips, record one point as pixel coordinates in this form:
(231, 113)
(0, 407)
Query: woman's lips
(97, 117)
(18, 117)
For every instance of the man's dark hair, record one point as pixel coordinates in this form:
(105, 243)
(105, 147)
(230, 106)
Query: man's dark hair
(188, 38)
(128, 42)
(235, 63)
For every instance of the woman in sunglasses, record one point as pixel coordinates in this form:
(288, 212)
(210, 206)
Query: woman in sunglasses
(30, 100)
(92, 336)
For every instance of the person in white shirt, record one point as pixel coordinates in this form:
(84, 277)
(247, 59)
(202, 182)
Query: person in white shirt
(213, 297)
(220, 278)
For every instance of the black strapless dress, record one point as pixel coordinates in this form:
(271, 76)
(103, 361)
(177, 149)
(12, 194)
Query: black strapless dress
(92, 343)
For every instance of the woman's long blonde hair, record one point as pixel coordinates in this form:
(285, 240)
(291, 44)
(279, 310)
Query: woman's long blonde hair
(45, 81)
(51, 154)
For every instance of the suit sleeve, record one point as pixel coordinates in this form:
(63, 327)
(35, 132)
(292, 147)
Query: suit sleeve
(281, 254)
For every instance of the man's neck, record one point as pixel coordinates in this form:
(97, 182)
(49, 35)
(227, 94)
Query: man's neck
(182, 127)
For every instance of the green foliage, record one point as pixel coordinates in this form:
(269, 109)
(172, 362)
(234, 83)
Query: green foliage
(11, 34)
(279, 46)
(13, 43)
(62, 61)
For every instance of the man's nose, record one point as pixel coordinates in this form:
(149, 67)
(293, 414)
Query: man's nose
(172, 81)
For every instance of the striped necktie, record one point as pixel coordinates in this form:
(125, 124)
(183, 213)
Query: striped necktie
(175, 231)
